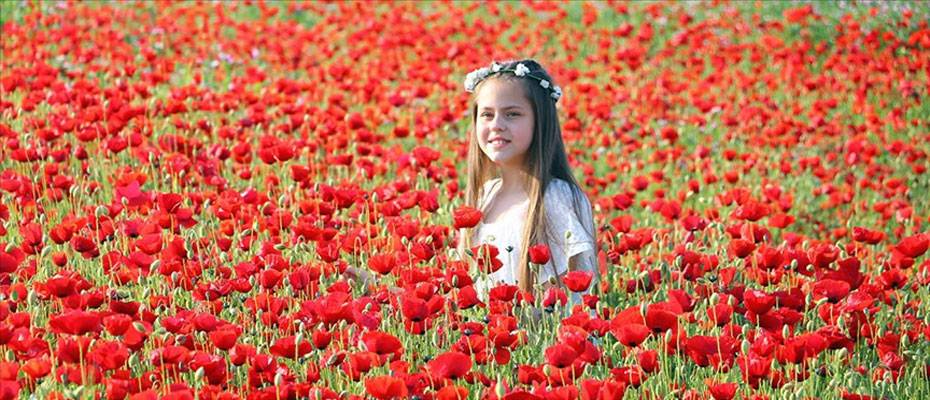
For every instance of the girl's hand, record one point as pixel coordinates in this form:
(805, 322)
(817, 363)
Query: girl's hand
(359, 275)
(368, 280)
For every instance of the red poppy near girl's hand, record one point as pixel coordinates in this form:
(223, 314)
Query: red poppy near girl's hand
(539, 254)
(466, 217)
(578, 281)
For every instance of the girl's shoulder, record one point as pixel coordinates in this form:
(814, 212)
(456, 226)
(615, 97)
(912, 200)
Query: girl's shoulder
(561, 193)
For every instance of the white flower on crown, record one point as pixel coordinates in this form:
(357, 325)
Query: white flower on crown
(521, 70)
(495, 66)
(556, 92)
(544, 83)
(474, 77)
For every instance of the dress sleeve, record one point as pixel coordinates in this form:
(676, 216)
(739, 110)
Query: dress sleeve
(571, 232)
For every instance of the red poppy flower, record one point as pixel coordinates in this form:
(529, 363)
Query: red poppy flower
(578, 281)
(467, 297)
(224, 338)
(386, 387)
(539, 254)
(521, 394)
(560, 355)
(751, 211)
(109, 355)
(648, 360)
(414, 308)
(466, 217)
(757, 301)
(528, 374)
(722, 391)
(76, 322)
(36, 368)
(630, 335)
(487, 258)
(866, 235)
(382, 263)
(707, 350)
(382, 343)
(831, 289)
(741, 248)
(915, 245)
(602, 390)
(660, 317)
(449, 365)
(630, 375)
(553, 296)
(452, 392)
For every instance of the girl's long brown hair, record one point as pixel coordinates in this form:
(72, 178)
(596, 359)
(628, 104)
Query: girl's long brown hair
(545, 160)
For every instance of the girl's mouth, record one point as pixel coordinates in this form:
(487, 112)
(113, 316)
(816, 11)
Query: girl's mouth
(498, 142)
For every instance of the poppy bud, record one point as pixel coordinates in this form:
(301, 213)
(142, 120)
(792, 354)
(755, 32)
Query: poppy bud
(842, 352)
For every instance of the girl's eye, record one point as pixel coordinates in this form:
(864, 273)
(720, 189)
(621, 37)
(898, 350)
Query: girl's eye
(486, 115)
(513, 114)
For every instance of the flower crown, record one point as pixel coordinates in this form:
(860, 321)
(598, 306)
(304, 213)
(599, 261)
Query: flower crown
(475, 77)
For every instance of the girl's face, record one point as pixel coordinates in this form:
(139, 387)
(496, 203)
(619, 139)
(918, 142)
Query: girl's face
(505, 122)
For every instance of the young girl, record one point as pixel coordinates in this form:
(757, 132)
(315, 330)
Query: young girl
(518, 176)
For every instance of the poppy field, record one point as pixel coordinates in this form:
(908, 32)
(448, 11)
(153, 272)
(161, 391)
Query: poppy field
(260, 200)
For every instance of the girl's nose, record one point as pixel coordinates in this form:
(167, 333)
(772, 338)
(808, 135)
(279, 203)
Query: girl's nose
(497, 124)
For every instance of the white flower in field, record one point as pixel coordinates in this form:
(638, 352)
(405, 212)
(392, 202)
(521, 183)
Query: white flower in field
(521, 70)
(544, 83)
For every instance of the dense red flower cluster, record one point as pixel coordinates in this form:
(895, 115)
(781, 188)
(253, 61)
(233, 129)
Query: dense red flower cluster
(261, 200)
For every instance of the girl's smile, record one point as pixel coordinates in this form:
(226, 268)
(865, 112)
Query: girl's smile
(498, 142)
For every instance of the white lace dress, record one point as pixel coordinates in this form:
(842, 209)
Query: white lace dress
(505, 233)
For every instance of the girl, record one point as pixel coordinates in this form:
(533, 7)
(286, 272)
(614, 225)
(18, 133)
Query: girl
(518, 176)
